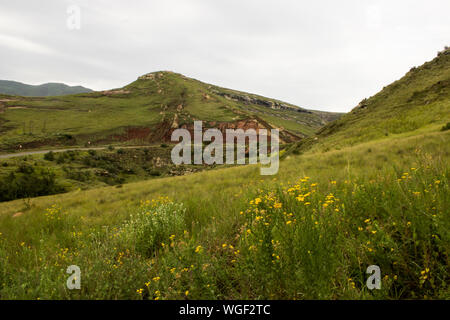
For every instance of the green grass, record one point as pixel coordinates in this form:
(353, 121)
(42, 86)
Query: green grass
(87, 119)
(210, 254)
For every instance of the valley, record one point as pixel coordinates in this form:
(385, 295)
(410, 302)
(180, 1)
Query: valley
(370, 187)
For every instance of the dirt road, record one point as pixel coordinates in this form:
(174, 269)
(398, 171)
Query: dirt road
(27, 153)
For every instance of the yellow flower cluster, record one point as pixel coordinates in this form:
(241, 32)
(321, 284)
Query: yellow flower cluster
(155, 202)
(53, 213)
(424, 275)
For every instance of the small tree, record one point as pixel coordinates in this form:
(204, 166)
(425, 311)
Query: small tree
(49, 156)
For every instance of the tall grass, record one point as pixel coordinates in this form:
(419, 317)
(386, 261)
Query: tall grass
(305, 240)
(310, 232)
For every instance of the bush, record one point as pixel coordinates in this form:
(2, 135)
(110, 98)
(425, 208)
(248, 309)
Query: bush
(155, 173)
(446, 127)
(25, 168)
(49, 156)
(61, 159)
(154, 225)
(28, 182)
(83, 176)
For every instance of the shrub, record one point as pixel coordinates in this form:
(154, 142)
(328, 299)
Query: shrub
(49, 156)
(28, 182)
(154, 225)
(61, 159)
(155, 173)
(446, 127)
(83, 176)
(25, 168)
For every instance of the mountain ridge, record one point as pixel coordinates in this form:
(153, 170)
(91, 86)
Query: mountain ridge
(17, 88)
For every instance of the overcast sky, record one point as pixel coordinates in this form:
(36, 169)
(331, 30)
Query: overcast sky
(325, 55)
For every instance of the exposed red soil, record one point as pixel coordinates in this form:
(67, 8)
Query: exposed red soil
(162, 132)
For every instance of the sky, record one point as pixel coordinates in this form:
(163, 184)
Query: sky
(323, 55)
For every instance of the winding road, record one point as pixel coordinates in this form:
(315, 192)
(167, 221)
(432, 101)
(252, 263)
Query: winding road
(27, 153)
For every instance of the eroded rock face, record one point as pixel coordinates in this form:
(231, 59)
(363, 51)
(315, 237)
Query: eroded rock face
(266, 103)
(223, 126)
(446, 51)
(246, 124)
(114, 92)
(153, 75)
(162, 132)
(148, 76)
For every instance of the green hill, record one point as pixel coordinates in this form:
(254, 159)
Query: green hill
(145, 111)
(418, 102)
(47, 89)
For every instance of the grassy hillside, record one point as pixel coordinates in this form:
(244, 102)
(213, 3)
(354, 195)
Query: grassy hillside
(309, 232)
(143, 112)
(47, 89)
(420, 101)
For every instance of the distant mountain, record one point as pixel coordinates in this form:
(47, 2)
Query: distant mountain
(43, 90)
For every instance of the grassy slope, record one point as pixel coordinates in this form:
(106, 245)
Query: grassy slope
(418, 101)
(95, 117)
(213, 201)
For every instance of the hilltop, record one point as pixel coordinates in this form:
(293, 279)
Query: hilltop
(43, 90)
(144, 112)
